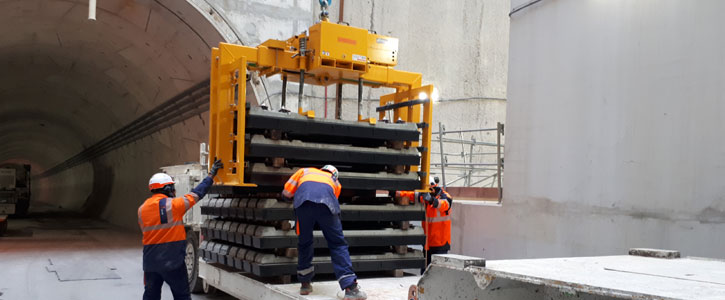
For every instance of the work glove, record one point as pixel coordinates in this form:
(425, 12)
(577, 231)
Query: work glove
(427, 198)
(215, 167)
(434, 203)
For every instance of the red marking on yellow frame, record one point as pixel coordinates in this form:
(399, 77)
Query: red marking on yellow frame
(347, 41)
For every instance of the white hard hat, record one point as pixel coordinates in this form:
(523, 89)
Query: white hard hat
(160, 180)
(433, 181)
(331, 169)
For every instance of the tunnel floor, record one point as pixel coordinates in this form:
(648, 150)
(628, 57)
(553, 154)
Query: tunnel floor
(72, 258)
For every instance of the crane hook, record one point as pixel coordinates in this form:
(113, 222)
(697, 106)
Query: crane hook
(324, 14)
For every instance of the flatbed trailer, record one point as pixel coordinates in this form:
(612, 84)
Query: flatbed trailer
(243, 286)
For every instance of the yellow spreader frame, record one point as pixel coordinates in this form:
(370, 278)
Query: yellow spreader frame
(330, 54)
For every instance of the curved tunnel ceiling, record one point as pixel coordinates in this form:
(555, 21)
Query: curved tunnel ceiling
(67, 82)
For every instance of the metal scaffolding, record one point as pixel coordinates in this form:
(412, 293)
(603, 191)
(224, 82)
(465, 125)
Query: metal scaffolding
(471, 162)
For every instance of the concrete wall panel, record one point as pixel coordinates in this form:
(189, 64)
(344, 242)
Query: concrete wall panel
(613, 133)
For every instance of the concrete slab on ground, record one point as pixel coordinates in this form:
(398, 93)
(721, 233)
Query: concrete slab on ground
(585, 278)
(683, 278)
(77, 269)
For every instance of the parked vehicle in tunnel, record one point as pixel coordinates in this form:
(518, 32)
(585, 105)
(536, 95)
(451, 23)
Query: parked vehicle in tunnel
(14, 192)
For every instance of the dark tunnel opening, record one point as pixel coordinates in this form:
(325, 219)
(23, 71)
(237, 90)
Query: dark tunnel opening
(68, 82)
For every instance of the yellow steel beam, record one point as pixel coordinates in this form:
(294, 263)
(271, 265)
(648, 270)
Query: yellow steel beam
(330, 60)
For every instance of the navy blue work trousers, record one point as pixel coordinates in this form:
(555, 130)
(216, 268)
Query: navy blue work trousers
(308, 214)
(177, 280)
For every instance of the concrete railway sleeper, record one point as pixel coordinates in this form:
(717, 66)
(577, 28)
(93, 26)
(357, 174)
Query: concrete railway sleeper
(295, 126)
(260, 147)
(267, 237)
(265, 264)
(274, 210)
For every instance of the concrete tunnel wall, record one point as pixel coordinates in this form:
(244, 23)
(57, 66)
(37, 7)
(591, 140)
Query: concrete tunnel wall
(459, 46)
(614, 130)
(67, 82)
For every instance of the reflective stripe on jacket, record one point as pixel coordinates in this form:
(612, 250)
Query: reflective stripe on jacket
(161, 218)
(437, 226)
(311, 184)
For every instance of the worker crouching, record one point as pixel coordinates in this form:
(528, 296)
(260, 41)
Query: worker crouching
(164, 236)
(315, 193)
(437, 224)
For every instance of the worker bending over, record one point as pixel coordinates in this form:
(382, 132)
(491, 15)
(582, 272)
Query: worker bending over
(315, 193)
(164, 237)
(437, 224)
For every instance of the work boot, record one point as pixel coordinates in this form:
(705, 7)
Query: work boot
(353, 292)
(306, 288)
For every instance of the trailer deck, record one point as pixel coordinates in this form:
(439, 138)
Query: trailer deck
(240, 286)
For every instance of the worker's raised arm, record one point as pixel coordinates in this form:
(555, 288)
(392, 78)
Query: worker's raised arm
(290, 187)
(182, 204)
(197, 193)
(410, 195)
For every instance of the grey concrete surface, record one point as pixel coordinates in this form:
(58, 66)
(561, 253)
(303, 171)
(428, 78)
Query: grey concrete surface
(614, 133)
(85, 246)
(585, 278)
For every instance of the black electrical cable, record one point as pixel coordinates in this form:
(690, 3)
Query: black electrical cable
(520, 7)
(186, 104)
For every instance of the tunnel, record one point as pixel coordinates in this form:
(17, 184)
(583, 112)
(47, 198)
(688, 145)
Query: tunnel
(68, 82)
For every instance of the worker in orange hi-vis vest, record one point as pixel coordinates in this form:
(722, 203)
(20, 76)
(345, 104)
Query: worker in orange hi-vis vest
(164, 237)
(315, 194)
(437, 224)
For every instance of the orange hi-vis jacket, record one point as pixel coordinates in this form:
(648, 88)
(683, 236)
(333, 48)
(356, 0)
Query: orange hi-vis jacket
(161, 218)
(437, 224)
(312, 184)
(164, 236)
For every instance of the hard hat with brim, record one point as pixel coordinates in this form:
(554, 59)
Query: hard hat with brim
(331, 169)
(160, 180)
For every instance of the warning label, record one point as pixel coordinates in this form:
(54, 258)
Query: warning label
(360, 58)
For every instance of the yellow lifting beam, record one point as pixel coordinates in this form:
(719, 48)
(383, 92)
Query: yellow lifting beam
(330, 54)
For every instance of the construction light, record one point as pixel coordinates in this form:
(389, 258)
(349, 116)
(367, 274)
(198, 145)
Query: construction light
(422, 96)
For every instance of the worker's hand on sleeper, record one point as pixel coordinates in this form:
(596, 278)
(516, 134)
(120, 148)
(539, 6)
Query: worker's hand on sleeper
(215, 167)
(287, 199)
(426, 197)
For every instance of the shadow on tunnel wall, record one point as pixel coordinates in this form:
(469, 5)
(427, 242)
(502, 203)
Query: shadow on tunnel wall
(101, 192)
